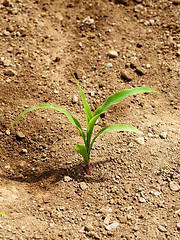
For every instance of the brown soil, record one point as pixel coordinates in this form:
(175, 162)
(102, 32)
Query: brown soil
(44, 190)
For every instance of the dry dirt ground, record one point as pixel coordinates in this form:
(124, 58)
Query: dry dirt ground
(133, 191)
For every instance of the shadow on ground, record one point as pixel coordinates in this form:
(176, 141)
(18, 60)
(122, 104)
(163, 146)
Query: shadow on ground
(77, 173)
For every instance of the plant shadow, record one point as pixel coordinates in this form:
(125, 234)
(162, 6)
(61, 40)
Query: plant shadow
(53, 176)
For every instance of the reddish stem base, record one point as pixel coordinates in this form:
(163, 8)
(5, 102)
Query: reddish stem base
(88, 169)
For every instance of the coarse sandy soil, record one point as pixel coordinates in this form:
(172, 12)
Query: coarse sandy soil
(133, 191)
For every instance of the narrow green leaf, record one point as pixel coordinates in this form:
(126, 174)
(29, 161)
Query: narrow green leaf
(114, 99)
(72, 120)
(87, 109)
(119, 96)
(1, 213)
(82, 150)
(116, 127)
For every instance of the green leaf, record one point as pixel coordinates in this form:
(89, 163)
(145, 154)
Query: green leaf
(72, 120)
(82, 150)
(1, 213)
(87, 109)
(116, 127)
(119, 96)
(114, 99)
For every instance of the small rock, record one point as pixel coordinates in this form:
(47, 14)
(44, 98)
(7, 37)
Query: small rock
(126, 75)
(109, 65)
(74, 99)
(140, 140)
(7, 63)
(88, 227)
(2, 60)
(23, 151)
(140, 71)
(163, 135)
(136, 228)
(142, 200)
(10, 72)
(81, 230)
(178, 225)
(150, 134)
(112, 226)
(133, 64)
(6, 33)
(107, 219)
(8, 132)
(178, 52)
(41, 209)
(155, 193)
(56, 91)
(105, 210)
(41, 24)
(122, 219)
(92, 93)
(10, 49)
(112, 54)
(174, 186)
(152, 21)
(148, 65)
(88, 21)
(10, 28)
(83, 185)
(67, 179)
(80, 73)
(138, 8)
(20, 135)
(162, 228)
(177, 212)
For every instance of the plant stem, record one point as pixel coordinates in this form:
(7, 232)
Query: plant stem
(88, 169)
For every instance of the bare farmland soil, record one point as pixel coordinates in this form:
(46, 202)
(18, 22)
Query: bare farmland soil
(133, 191)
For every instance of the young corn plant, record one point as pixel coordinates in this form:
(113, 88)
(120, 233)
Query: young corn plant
(91, 118)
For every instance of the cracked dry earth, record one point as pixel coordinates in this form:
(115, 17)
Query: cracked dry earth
(133, 191)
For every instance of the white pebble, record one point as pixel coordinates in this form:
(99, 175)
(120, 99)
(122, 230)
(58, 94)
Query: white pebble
(75, 99)
(67, 179)
(56, 91)
(163, 135)
(155, 193)
(88, 21)
(112, 54)
(140, 140)
(142, 200)
(150, 135)
(174, 186)
(112, 226)
(83, 185)
(162, 228)
(109, 65)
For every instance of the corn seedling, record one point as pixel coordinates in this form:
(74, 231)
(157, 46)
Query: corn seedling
(91, 118)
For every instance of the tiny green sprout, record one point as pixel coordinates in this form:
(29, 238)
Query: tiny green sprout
(164, 168)
(91, 118)
(1, 213)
